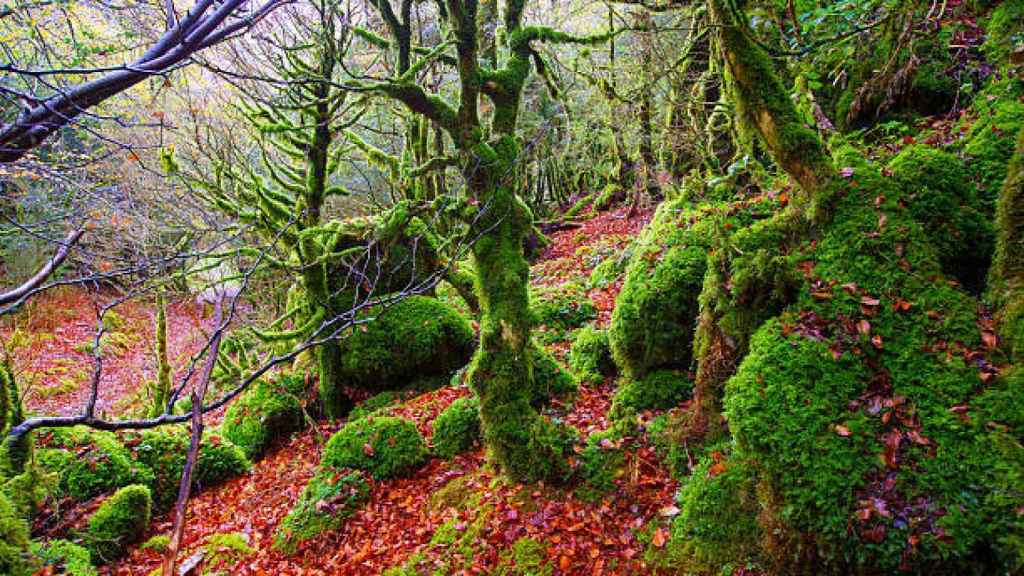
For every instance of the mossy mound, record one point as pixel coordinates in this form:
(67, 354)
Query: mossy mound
(947, 207)
(264, 413)
(384, 447)
(415, 337)
(857, 405)
(88, 462)
(660, 389)
(989, 143)
(15, 557)
(119, 522)
(28, 491)
(66, 557)
(164, 451)
(590, 357)
(550, 379)
(457, 428)
(330, 497)
(1004, 30)
(557, 310)
(600, 463)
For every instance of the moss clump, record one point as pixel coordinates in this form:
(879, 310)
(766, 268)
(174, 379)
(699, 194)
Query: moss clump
(658, 390)
(164, 452)
(264, 413)
(559, 309)
(526, 557)
(384, 447)
(15, 557)
(590, 356)
(600, 463)
(66, 558)
(376, 404)
(989, 143)
(28, 491)
(88, 462)
(457, 428)
(947, 207)
(550, 379)
(119, 522)
(330, 497)
(415, 337)
(1004, 30)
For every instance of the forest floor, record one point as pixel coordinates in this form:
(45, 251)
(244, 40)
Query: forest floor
(396, 526)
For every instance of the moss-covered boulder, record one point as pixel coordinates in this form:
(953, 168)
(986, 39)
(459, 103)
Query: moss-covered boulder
(66, 557)
(457, 427)
(550, 379)
(266, 412)
(164, 451)
(88, 462)
(415, 337)
(590, 357)
(559, 309)
(328, 499)
(660, 389)
(15, 556)
(119, 522)
(382, 446)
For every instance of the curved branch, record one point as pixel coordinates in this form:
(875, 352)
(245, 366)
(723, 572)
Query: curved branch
(45, 272)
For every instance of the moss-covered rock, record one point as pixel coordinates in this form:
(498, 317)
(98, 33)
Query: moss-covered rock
(989, 143)
(415, 337)
(330, 497)
(599, 464)
(657, 390)
(164, 451)
(590, 357)
(1004, 30)
(550, 379)
(457, 428)
(66, 557)
(88, 462)
(264, 413)
(559, 309)
(383, 446)
(15, 556)
(119, 522)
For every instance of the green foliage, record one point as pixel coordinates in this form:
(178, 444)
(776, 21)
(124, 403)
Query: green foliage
(119, 522)
(158, 543)
(29, 490)
(1004, 30)
(457, 428)
(88, 462)
(560, 309)
(384, 447)
(330, 497)
(590, 356)
(657, 390)
(600, 463)
(417, 336)
(15, 558)
(266, 412)
(66, 557)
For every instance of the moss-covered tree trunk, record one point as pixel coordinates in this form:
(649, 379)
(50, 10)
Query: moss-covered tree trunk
(1006, 278)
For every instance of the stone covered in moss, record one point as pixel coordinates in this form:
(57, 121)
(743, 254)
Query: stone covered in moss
(119, 522)
(1004, 30)
(457, 427)
(660, 389)
(330, 497)
(66, 558)
(590, 356)
(550, 379)
(15, 557)
(415, 337)
(384, 447)
(558, 309)
(88, 462)
(264, 413)
(599, 464)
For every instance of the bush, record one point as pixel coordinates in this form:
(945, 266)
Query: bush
(88, 462)
(590, 357)
(383, 446)
(66, 558)
(457, 428)
(15, 557)
(119, 522)
(330, 497)
(264, 413)
(415, 337)
(657, 390)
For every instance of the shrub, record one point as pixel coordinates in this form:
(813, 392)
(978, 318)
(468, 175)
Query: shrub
(330, 497)
(657, 390)
(66, 558)
(88, 462)
(14, 541)
(119, 522)
(590, 357)
(457, 428)
(264, 413)
(383, 446)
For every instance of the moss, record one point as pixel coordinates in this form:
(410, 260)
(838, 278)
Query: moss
(67, 558)
(384, 447)
(457, 428)
(657, 390)
(376, 404)
(415, 337)
(550, 379)
(1004, 30)
(561, 308)
(264, 413)
(158, 543)
(526, 557)
(1006, 278)
(15, 557)
(164, 452)
(600, 463)
(119, 522)
(989, 143)
(88, 462)
(948, 209)
(328, 499)
(590, 356)
(28, 491)
(225, 549)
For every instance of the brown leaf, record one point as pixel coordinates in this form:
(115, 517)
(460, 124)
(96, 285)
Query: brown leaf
(659, 538)
(989, 339)
(842, 430)
(863, 327)
(368, 449)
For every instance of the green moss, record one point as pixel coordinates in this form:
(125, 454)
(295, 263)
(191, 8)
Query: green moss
(561, 308)
(600, 463)
(264, 413)
(119, 522)
(376, 404)
(158, 543)
(28, 491)
(1004, 30)
(330, 497)
(550, 379)
(88, 462)
(590, 356)
(15, 557)
(415, 337)
(526, 557)
(67, 558)
(384, 447)
(457, 428)
(226, 549)
(989, 143)
(657, 390)
(1006, 278)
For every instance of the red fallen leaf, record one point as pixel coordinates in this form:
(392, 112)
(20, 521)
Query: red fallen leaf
(959, 409)
(565, 563)
(850, 287)
(368, 449)
(916, 437)
(908, 139)
(882, 219)
(716, 469)
(846, 172)
(822, 295)
(842, 430)
(836, 351)
(892, 440)
(874, 534)
(863, 327)
(869, 301)
(876, 341)
(989, 339)
(659, 538)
